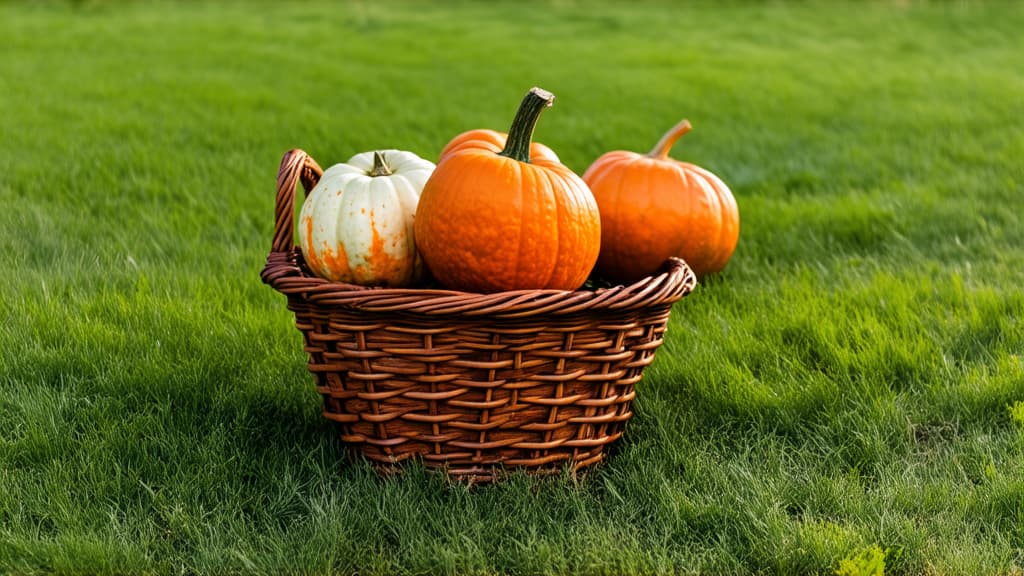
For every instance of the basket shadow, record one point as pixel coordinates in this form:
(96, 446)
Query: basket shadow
(284, 429)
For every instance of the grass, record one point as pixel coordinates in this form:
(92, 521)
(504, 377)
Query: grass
(846, 393)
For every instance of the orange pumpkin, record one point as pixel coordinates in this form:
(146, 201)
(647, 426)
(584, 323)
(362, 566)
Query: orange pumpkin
(491, 218)
(654, 207)
(495, 140)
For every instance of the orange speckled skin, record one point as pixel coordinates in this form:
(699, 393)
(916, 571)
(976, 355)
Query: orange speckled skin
(488, 223)
(325, 258)
(654, 207)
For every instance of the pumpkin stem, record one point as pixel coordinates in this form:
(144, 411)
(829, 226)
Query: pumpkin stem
(663, 146)
(517, 146)
(380, 166)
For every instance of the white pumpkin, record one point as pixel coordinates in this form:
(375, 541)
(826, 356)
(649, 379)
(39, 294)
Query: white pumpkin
(356, 225)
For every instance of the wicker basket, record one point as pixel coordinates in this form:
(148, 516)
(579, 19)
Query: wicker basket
(471, 383)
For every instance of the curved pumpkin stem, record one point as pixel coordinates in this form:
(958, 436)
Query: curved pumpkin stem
(380, 166)
(662, 148)
(517, 146)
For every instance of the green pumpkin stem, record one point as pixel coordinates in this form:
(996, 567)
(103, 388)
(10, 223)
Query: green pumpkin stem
(517, 146)
(661, 149)
(380, 166)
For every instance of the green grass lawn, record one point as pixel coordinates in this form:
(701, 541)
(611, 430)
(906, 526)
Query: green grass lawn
(843, 390)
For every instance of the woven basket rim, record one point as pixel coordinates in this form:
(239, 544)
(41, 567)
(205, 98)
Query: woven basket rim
(287, 273)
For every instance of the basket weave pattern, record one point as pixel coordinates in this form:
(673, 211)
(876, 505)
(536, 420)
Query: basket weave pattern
(471, 383)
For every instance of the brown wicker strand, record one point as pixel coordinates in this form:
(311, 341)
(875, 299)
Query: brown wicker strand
(295, 166)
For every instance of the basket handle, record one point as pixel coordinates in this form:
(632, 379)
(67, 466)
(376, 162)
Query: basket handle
(295, 166)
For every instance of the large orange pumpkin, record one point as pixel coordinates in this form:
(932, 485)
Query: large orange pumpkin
(491, 218)
(496, 140)
(654, 207)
